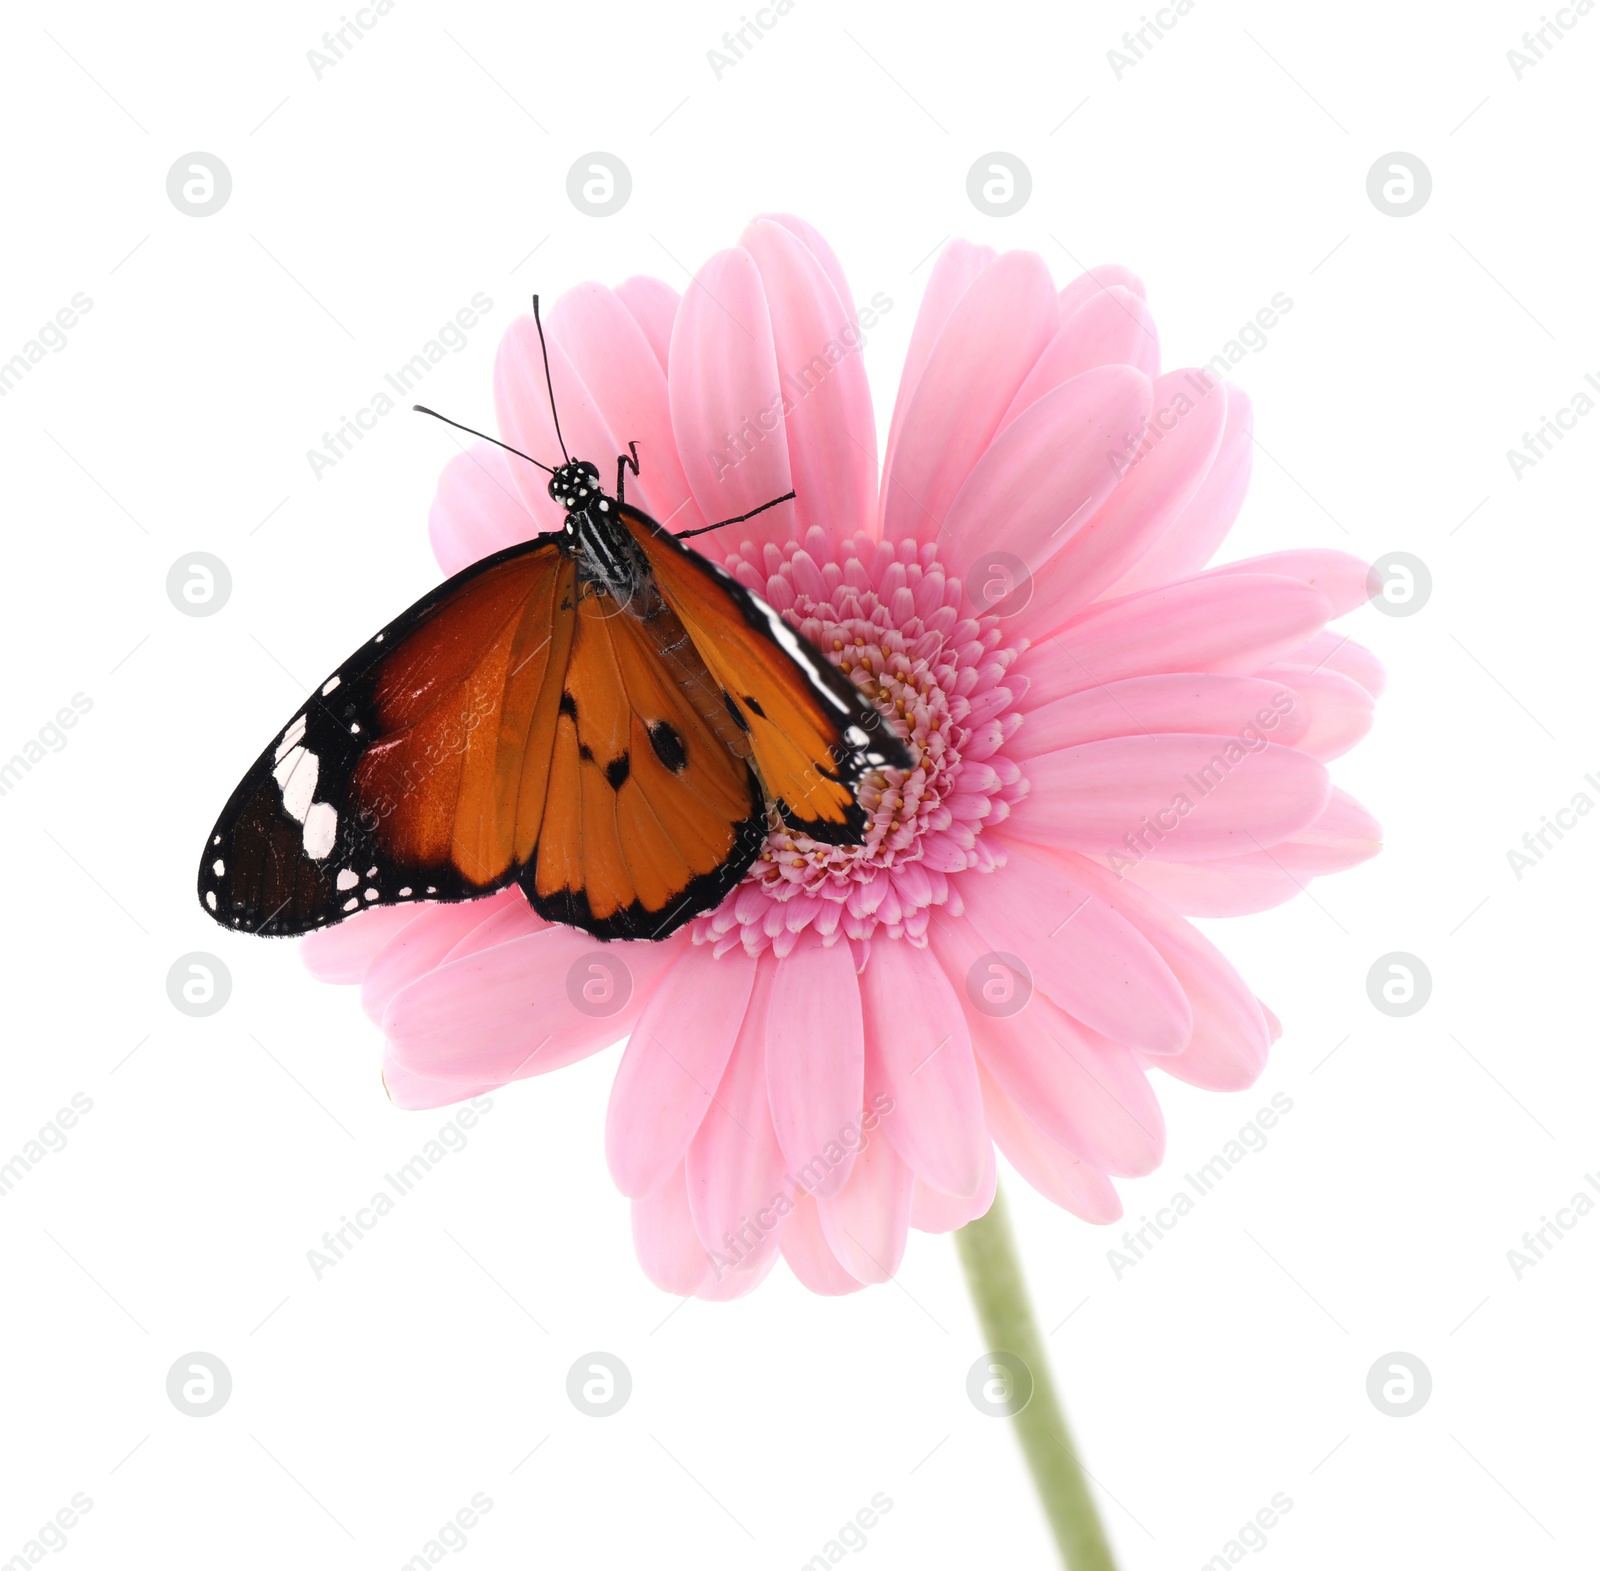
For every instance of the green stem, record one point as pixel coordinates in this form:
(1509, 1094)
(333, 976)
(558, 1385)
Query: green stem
(994, 1278)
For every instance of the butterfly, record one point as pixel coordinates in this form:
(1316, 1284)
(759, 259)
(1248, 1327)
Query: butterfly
(599, 715)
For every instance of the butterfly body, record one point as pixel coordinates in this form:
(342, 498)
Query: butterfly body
(599, 715)
(592, 535)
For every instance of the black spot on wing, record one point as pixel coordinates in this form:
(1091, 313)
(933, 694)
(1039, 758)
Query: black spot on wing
(668, 745)
(733, 709)
(617, 771)
(754, 707)
(569, 706)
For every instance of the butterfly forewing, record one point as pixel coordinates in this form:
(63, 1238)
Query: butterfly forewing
(404, 777)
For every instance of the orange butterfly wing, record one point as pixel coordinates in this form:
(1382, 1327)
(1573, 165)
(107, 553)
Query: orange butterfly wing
(813, 733)
(418, 770)
(653, 812)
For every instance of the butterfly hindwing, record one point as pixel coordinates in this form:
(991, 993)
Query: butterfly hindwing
(654, 811)
(813, 733)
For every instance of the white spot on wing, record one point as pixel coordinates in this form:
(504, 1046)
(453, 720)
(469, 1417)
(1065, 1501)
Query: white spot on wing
(218, 867)
(296, 774)
(329, 685)
(351, 903)
(211, 899)
(321, 830)
(346, 879)
(371, 894)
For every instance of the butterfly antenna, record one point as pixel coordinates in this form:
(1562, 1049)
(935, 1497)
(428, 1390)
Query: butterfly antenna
(549, 385)
(422, 409)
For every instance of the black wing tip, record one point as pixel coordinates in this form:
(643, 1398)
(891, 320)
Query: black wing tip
(881, 749)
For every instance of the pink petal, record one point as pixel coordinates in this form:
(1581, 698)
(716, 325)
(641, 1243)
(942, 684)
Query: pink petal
(512, 1011)
(506, 916)
(1235, 886)
(737, 1283)
(664, 1238)
(1084, 1092)
(865, 1223)
(1343, 836)
(809, 1256)
(1229, 625)
(995, 333)
(933, 1211)
(477, 509)
(343, 953)
(815, 1056)
(1228, 1048)
(1141, 705)
(833, 444)
(1334, 651)
(811, 238)
(1078, 951)
(959, 266)
(625, 394)
(919, 1072)
(1042, 480)
(1159, 473)
(1095, 281)
(1182, 798)
(1196, 535)
(417, 1093)
(1337, 710)
(1340, 578)
(419, 947)
(672, 1255)
(1055, 1172)
(1113, 327)
(727, 401)
(1218, 1060)
(653, 304)
(737, 1193)
(673, 1062)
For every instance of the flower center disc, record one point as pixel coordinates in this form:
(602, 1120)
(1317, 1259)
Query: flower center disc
(890, 617)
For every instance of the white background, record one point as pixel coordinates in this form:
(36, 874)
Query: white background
(367, 207)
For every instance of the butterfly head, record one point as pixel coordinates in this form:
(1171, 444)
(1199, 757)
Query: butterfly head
(575, 484)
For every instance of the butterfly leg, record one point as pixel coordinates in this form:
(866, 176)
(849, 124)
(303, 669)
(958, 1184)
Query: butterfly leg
(625, 462)
(705, 529)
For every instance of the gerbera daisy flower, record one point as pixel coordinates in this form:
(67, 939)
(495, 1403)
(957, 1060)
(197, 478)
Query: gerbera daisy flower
(1111, 737)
